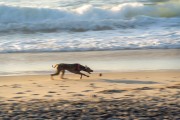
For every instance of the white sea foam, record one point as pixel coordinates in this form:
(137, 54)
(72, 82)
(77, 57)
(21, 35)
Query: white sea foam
(90, 41)
(84, 18)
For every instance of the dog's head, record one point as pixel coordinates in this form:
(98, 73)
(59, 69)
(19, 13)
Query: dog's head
(87, 69)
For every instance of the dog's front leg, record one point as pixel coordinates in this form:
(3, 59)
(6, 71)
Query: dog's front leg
(57, 73)
(83, 74)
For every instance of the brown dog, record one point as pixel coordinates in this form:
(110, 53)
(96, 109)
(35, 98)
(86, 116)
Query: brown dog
(74, 68)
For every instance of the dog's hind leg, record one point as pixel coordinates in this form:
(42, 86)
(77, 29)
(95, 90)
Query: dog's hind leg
(62, 75)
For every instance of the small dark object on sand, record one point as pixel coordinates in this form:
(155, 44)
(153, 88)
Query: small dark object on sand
(100, 74)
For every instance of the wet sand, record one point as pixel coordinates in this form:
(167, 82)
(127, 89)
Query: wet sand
(144, 95)
(121, 61)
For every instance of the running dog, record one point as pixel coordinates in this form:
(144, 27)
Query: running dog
(74, 68)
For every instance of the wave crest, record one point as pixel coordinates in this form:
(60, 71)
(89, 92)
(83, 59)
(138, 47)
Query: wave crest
(87, 17)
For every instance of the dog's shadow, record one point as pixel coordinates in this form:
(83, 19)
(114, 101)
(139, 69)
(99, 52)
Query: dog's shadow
(60, 79)
(128, 81)
(64, 79)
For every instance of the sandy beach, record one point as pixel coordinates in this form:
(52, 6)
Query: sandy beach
(144, 95)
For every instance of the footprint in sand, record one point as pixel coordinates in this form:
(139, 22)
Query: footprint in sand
(48, 95)
(115, 98)
(20, 93)
(63, 86)
(162, 89)
(35, 94)
(28, 91)
(70, 92)
(16, 86)
(11, 100)
(93, 85)
(87, 90)
(78, 95)
(40, 86)
(18, 97)
(111, 91)
(144, 88)
(4, 86)
(51, 92)
(129, 95)
(174, 87)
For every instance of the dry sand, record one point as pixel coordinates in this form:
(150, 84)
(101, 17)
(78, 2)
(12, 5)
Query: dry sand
(144, 95)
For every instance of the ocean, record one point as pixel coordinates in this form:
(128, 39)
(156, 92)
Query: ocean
(88, 25)
(47, 26)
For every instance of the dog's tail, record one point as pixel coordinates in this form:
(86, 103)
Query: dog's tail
(55, 66)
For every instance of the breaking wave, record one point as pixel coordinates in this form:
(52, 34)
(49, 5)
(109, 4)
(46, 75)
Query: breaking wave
(84, 18)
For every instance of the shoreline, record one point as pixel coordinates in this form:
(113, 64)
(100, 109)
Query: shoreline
(82, 51)
(125, 60)
(46, 73)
